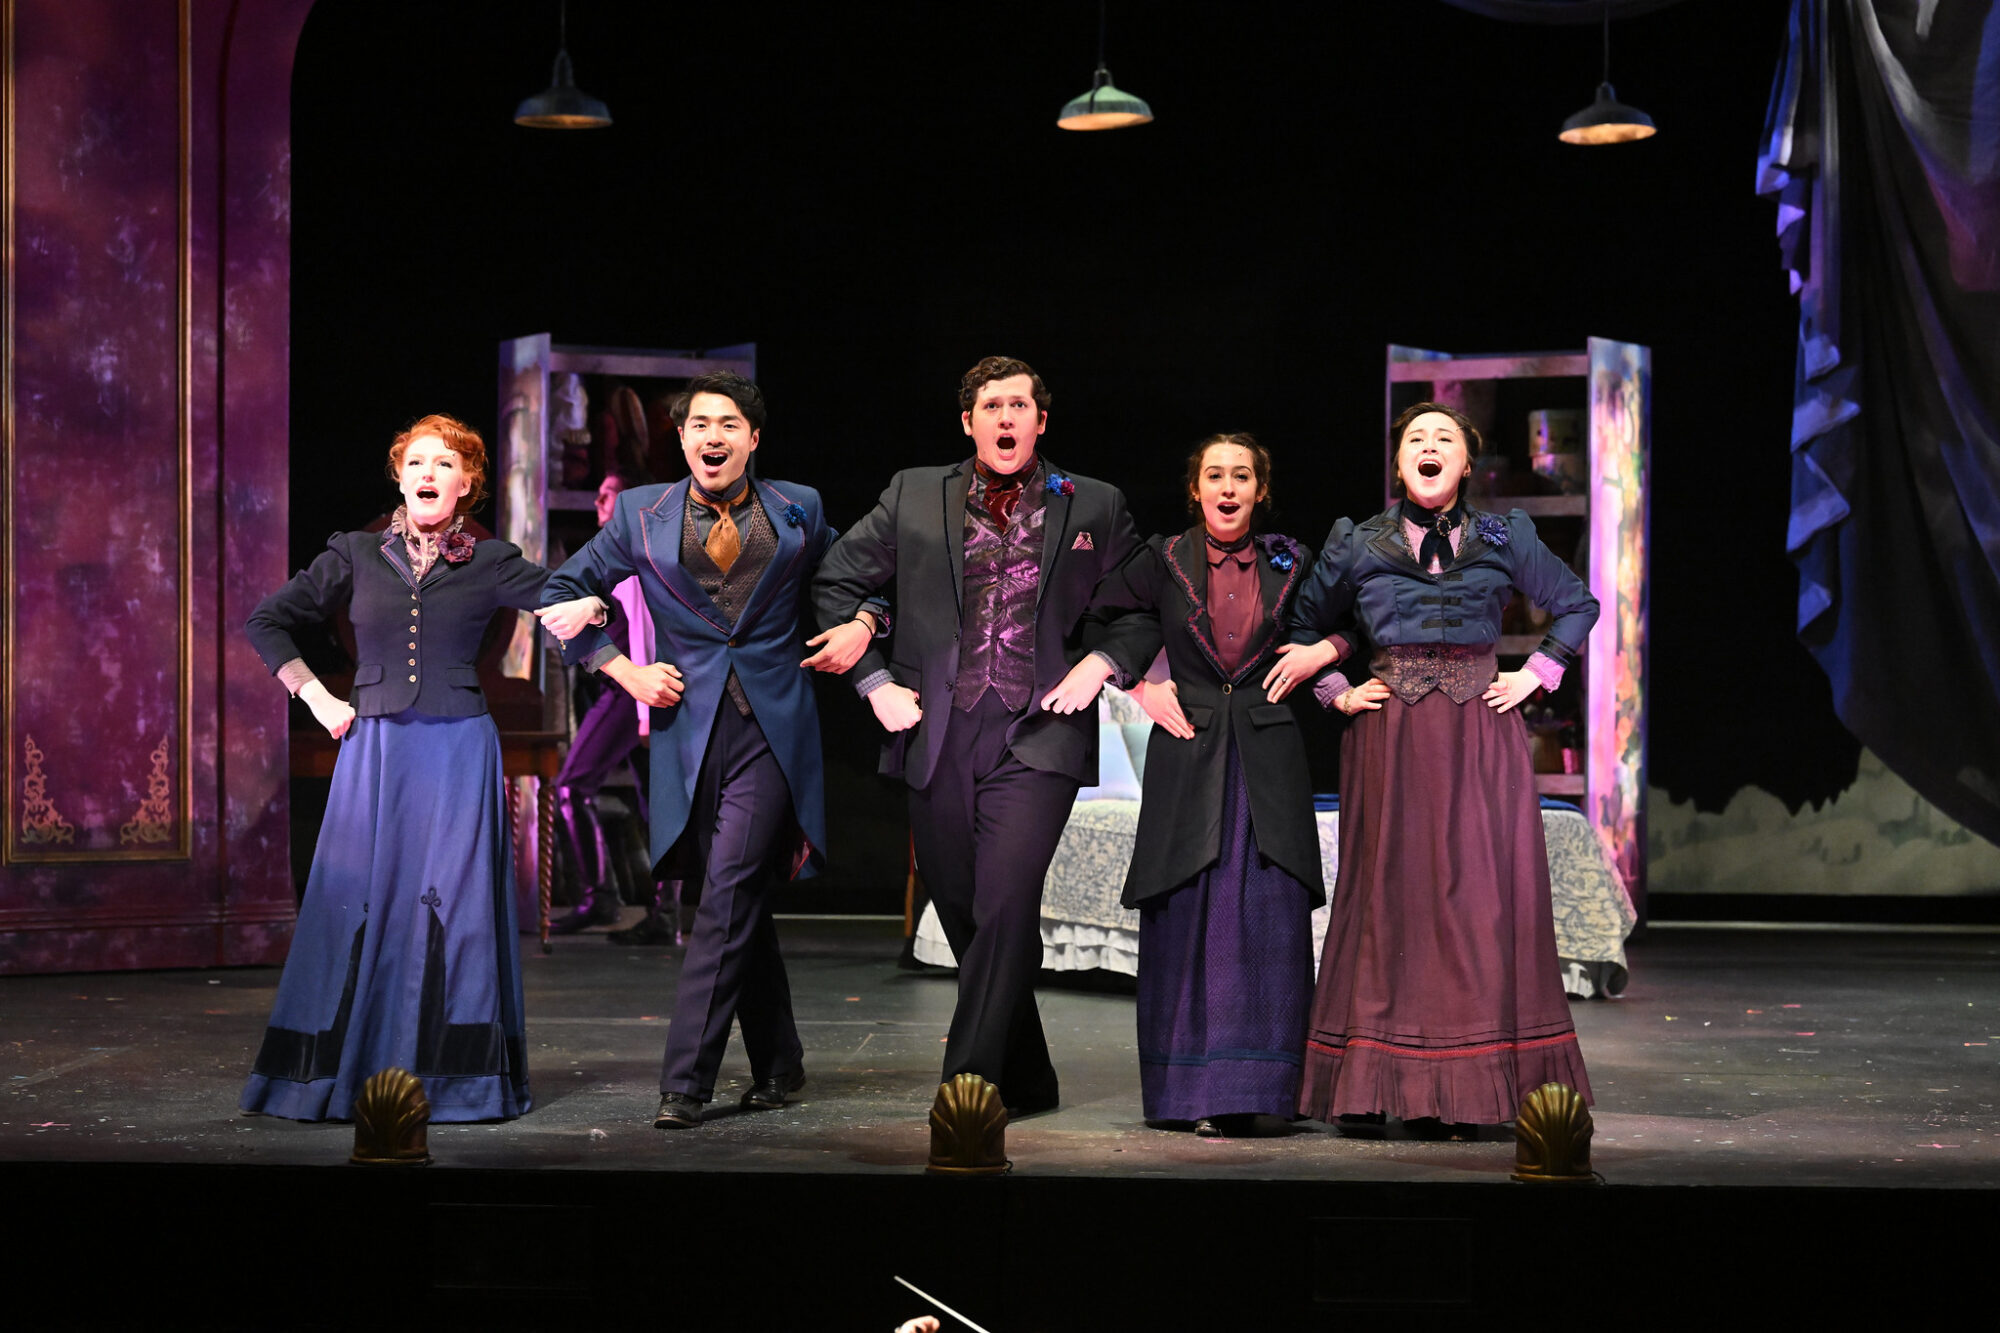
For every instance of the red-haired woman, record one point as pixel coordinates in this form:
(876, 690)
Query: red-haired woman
(405, 953)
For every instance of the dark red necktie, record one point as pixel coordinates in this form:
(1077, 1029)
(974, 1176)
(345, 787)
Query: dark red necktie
(1001, 497)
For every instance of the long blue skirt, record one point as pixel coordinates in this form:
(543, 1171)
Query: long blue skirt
(1225, 982)
(405, 954)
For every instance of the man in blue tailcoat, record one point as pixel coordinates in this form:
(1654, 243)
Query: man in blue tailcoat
(737, 790)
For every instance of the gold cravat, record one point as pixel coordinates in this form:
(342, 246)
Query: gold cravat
(724, 542)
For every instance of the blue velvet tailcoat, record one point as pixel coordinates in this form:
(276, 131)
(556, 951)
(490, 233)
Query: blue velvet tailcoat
(764, 648)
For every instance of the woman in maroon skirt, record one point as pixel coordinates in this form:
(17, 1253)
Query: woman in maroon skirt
(1225, 864)
(1439, 999)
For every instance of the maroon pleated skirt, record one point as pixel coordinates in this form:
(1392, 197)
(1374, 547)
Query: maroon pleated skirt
(1439, 993)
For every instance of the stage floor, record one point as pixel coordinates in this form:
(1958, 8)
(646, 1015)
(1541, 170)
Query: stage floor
(1738, 1057)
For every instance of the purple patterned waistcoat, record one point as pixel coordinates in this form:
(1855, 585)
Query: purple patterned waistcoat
(1001, 583)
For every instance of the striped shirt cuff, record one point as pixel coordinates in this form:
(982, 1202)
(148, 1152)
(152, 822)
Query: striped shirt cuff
(1547, 670)
(295, 675)
(1330, 687)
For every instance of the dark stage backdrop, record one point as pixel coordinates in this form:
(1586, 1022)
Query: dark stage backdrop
(877, 195)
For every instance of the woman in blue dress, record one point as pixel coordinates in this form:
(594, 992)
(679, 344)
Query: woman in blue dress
(405, 954)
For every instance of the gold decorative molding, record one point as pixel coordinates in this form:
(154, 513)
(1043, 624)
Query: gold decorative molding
(390, 1120)
(40, 822)
(16, 846)
(155, 819)
(968, 1129)
(1552, 1138)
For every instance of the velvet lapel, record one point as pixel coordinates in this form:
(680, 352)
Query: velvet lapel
(660, 525)
(1278, 586)
(957, 483)
(398, 557)
(1388, 540)
(1055, 526)
(1187, 559)
(791, 544)
(1471, 546)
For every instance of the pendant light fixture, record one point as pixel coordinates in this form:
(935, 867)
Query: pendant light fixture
(1103, 107)
(1606, 120)
(563, 106)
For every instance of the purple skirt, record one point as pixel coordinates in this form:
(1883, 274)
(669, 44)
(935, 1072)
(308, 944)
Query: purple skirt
(405, 954)
(1439, 993)
(1225, 978)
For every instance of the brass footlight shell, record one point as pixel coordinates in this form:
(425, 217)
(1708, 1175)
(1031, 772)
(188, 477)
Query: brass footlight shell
(1552, 1138)
(968, 1129)
(390, 1120)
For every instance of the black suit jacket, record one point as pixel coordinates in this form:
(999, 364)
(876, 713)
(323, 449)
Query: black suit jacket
(915, 538)
(1180, 813)
(444, 617)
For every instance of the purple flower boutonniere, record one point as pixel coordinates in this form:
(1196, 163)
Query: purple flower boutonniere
(795, 514)
(1058, 484)
(1492, 529)
(456, 548)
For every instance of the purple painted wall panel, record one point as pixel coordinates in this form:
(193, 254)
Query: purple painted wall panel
(94, 662)
(147, 351)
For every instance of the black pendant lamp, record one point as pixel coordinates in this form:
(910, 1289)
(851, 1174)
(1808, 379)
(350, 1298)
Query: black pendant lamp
(1606, 120)
(563, 106)
(1103, 107)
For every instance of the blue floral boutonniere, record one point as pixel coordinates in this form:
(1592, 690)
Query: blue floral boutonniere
(1280, 550)
(1058, 484)
(795, 514)
(1492, 529)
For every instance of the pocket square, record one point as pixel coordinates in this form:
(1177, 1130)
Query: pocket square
(1082, 543)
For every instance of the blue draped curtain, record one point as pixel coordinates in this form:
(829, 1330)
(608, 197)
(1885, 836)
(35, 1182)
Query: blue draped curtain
(1882, 152)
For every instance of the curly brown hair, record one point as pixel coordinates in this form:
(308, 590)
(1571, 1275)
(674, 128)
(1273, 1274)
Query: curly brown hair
(1260, 465)
(999, 368)
(1474, 442)
(458, 437)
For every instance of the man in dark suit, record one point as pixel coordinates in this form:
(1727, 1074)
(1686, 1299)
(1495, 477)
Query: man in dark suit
(723, 559)
(987, 691)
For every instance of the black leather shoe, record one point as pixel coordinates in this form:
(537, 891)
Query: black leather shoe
(1206, 1128)
(1427, 1128)
(653, 929)
(678, 1110)
(600, 910)
(1363, 1125)
(768, 1094)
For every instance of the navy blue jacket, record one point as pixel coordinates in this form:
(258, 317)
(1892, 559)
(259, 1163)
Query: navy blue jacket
(1367, 576)
(763, 648)
(417, 645)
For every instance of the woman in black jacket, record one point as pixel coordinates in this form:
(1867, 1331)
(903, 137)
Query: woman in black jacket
(405, 952)
(1225, 866)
